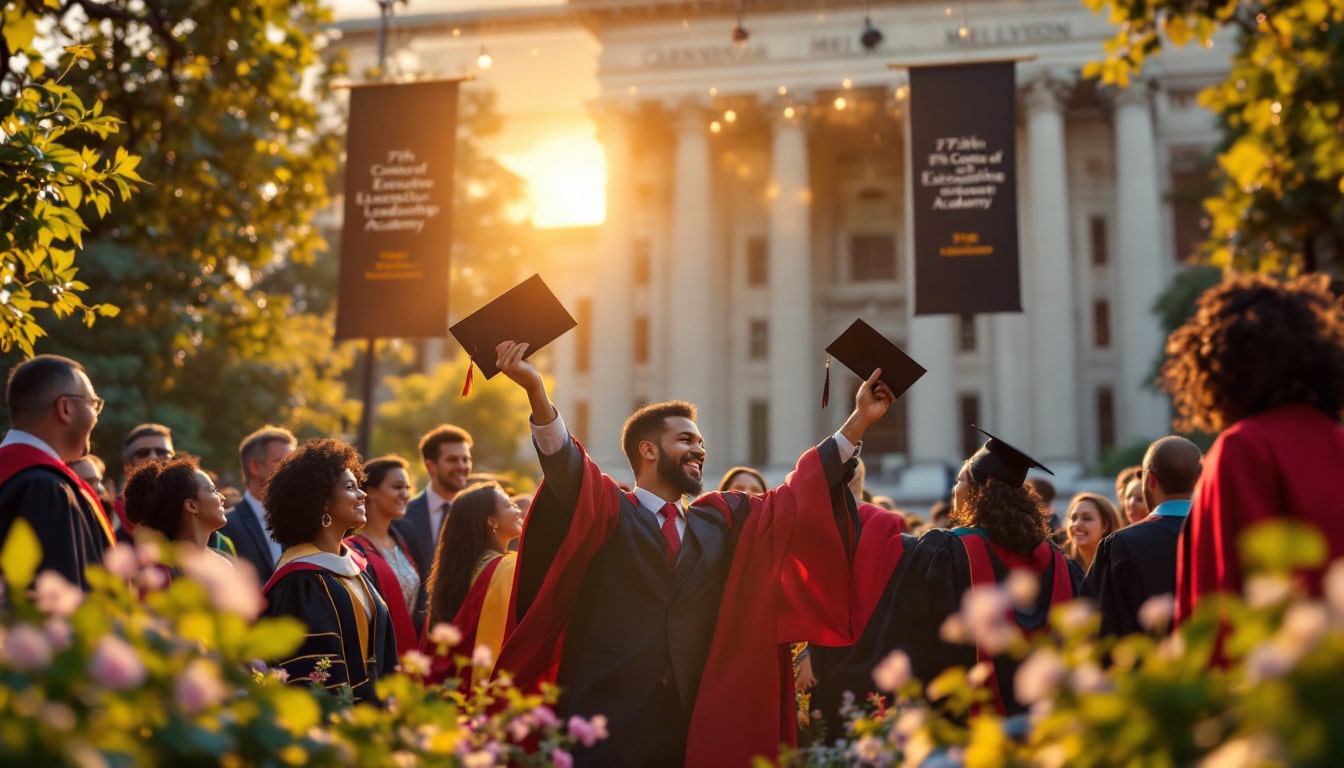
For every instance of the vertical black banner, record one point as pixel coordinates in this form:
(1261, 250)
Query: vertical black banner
(964, 175)
(397, 237)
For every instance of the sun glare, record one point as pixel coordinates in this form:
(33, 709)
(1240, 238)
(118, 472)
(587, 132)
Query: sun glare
(566, 180)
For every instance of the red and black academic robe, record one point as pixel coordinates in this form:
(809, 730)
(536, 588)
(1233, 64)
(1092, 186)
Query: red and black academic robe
(930, 585)
(316, 597)
(685, 662)
(878, 564)
(387, 584)
(63, 510)
(1282, 464)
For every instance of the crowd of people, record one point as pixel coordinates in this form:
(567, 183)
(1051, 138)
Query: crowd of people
(691, 620)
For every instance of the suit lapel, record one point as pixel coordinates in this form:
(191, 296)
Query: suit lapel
(696, 528)
(646, 523)
(254, 529)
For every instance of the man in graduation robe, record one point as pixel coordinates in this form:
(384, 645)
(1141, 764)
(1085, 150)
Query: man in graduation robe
(52, 411)
(668, 617)
(1137, 563)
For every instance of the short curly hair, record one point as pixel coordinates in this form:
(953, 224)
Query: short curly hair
(156, 490)
(298, 491)
(1013, 516)
(1255, 343)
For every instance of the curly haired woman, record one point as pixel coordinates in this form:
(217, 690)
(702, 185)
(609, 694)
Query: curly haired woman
(313, 500)
(1262, 362)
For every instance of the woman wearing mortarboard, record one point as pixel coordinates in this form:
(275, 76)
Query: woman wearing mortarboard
(1001, 527)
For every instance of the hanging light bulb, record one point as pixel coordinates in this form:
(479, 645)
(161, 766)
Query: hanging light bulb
(740, 33)
(871, 37)
(484, 61)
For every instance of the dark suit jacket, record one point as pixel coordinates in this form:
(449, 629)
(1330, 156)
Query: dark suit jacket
(250, 539)
(414, 528)
(640, 633)
(1132, 565)
(67, 529)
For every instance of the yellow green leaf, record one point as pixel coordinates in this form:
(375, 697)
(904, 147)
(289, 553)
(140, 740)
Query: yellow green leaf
(20, 556)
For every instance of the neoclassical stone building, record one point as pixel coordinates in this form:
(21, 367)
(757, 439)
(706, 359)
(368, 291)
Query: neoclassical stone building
(757, 204)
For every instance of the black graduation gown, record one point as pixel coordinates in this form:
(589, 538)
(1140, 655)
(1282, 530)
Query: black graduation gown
(322, 603)
(926, 589)
(65, 522)
(1132, 565)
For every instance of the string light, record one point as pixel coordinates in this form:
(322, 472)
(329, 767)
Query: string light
(484, 61)
(840, 103)
(714, 127)
(730, 116)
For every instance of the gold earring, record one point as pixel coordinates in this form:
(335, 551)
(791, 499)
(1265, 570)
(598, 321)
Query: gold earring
(326, 520)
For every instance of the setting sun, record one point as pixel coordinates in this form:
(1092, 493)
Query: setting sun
(566, 181)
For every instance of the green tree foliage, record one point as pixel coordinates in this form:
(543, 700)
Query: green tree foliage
(229, 105)
(1279, 204)
(50, 181)
(495, 413)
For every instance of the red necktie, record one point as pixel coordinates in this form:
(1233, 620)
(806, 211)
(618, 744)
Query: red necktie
(671, 539)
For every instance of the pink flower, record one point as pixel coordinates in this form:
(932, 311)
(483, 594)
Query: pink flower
(582, 731)
(1269, 661)
(544, 717)
(1303, 625)
(1156, 612)
(1088, 678)
(445, 635)
(116, 665)
(415, 663)
(1334, 586)
(59, 716)
(122, 561)
(483, 657)
(519, 728)
(1039, 676)
(198, 687)
(59, 633)
(149, 553)
(893, 672)
(1022, 587)
(478, 759)
(1075, 615)
(232, 588)
(1263, 591)
(561, 759)
(27, 649)
(599, 723)
(54, 595)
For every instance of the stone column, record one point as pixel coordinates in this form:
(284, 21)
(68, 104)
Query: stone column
(1049, 259)
(611, 393)
(1138, 264)
(1010, 392)
(693, 338)
(792, 400)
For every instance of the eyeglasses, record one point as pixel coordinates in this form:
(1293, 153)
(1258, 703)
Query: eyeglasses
(96, 402)
(158, 453)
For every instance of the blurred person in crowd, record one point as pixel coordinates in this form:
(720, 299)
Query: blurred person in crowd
(52, 411)
(93, 471)
(886, 502)
(313, 500)
(1122, 480)
(1139, 562)
(1136, 508)
(258, 455)
(1261, 361)
(144, 443)
(1092, 518)
(743, 480)
(471, 582)
(175, 498)
(231, 497)
(1046, 490)
(940, 515)
(914, 524)
(446, 453)
(387, 481)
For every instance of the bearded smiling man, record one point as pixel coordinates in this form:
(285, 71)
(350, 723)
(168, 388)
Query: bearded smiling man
(446, 451)
(663, 612)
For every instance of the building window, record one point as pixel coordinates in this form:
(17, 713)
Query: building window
(758, 261)
(758, 452)
(1101, 324)
(758, 340)
(1190, 184)
(1097, 235)
(641, 340)
(583, 343)
(1105, 419)
(580, 422)
(966, 333)
(872, 257)
(969, 406)
(642, 255)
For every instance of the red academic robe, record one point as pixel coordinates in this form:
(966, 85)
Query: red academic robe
(467, 621)
(1284, 463)
(789, 582)
(71, 524)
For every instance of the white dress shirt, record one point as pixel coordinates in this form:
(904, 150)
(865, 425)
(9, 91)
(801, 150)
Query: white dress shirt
(19, 437)
(260, 512)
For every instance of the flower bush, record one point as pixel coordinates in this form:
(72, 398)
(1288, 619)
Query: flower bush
(1246, 681)
(147, 671)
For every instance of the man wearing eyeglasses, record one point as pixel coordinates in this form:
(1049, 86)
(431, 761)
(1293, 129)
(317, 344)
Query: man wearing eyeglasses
(52, 411)
(145, 443)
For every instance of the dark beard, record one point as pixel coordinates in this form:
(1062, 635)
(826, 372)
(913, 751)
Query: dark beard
(675, 475)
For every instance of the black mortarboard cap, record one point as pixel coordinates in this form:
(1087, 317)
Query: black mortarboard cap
(1002, 461)
(528, 312)
(863, 350)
